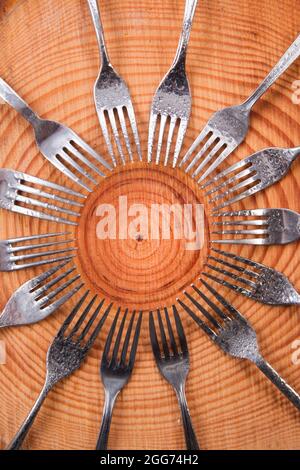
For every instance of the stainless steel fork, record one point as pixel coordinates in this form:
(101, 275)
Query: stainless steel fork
(173, 363)
(112, 97)
(254, 280)
(172, 99)
(58, 144)
(234, 335)
(12, 259)
(228, 127)
(65, 355)
(116, 369)
(35, 300)
(18, 196)
(267, 227)
(256, 172)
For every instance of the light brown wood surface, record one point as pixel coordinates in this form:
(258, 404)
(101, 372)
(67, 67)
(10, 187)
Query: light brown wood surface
(48, 53)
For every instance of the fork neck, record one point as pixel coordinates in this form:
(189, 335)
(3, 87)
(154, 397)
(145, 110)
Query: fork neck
(189, 11)
(95, 13)
(16, 102)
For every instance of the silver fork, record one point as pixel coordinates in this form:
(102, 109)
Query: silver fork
(279, 227)
(172, 99)
(173, 363)
(65, 355)
(256, 172)
(228, 127)
(11, 258)
(58, 144)
(17, 196)
(116, 369)
(32, 302)
(265, 284)
(112, 97)
(234, 335)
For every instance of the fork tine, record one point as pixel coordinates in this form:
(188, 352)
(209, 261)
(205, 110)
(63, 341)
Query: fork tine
(226, 172)
(127, 339)
(98, 327)
(65, 170)
(45, 205)
(65, 155)
(180, 331)
(198, 320)
(57, 291)
(35, 237)
(38, 292)
(116, 133)
(74, 151)
(163, 336)
(171, 334)
(170, 138)
(61, 301)
(216, 309)
(237, 187)
(42, 277)
(124, 130)
(41, 215)
(242, 232)
(239, 197)
(49, 184)
(223, 282)
(71, 316)
(18, 267)
(40, 193)
(208, 316)
(201, 152)
(247, 261)
(82, 317)
(132, 120)
(90, 322)
(41, 254)
(224, 154)
(114, 356)
(237, 268)
(151, 134)
(81, 143)
(153, 337)
(105, 133)
(241, 222)
(163, 121)
(110, 337)
(218, 145)
(17, 249)
(135, 341)
(246, 213)
(243, 241)
(231, 275)
(180, 137)
(230, 308)
(228, 181)
(193, 147)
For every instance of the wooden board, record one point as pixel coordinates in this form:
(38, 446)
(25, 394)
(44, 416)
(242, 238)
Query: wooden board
(49, 55)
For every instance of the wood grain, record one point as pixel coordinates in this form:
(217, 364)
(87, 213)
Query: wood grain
(49, 55)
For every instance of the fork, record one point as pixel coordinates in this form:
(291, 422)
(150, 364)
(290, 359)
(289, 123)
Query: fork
(265, 284)
(65, 355)
(256, 172)
(173, 363)
(13, 187)
(12, 260)
(116, 369)
(112, 97)
(58, 144)
(235, 336)
(227, 128)
(280, 226)
(172, 99)
(32, 302)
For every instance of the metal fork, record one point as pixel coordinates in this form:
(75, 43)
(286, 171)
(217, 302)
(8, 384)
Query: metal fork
(173, 363)
(234, 335)
(280, 226)
(265, 284)
(116, 369)
(228, 127)
(11, 258)
(58, 144)
(17, 196)
(112, 97)
(172, 99)
(35, 300)
(256, 172)
(65, 355)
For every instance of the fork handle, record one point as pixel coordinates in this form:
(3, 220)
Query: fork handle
(189, 11)
(189, 433)
(18, 439)
(106, 420)
(14, 100)
(95, 13)
(278, 381)
(282, 65)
